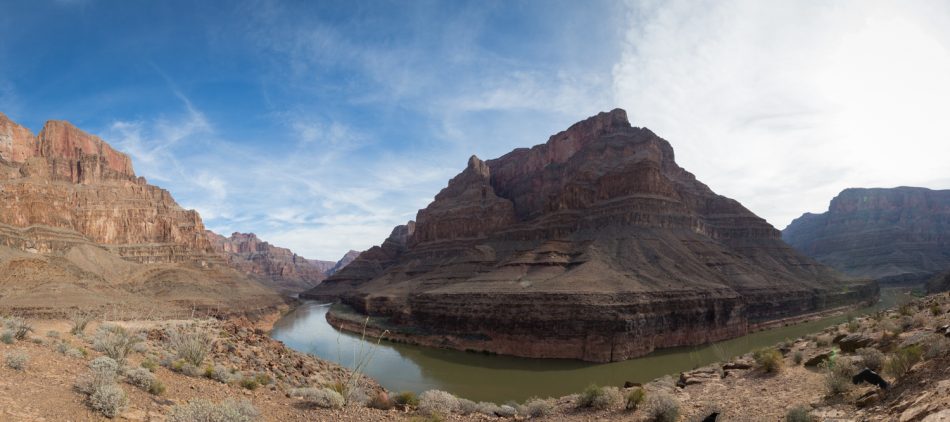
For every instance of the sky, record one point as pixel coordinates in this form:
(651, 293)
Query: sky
(322, 125)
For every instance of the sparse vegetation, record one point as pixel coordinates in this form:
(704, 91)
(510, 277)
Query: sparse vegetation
(823, 341)
(635, 398)
(873, 358)
(487, 408)
(837, 377)
(320, 397)
(191, 343)
(142, 378)
(18, 327)
(382, 401)
(936, 345)
(201, 410)
(7, 337)
(406, 400)
(902, 360)
(108, 399)
(600, 398)
(769, 359)
(853, 325)
(115, 341)
(17, 360)
(437, 402)
(149, 364)
(662, 407)
(799, 414)
(537, 408)
(79, 322)
(798, 357)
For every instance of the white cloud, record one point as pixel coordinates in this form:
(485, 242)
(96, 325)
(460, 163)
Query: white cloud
(782, 105)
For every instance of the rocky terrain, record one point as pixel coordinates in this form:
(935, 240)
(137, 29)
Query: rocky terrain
(280, 267)
(79, 229)
(595, 245)
(939, 283)
(897, 236)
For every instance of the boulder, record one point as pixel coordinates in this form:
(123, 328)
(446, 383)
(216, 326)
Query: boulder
(818, 358)
(853, 342)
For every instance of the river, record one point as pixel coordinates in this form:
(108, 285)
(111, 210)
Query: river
(480, 377)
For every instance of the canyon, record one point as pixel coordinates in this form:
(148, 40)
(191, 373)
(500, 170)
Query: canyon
(897, 236)
(78, 229)
(595, 246)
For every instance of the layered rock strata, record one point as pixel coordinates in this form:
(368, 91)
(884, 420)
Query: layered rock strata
(595, 245)
(897, 236)
(75, 218)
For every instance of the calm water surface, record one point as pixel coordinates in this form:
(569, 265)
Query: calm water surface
(401, 367)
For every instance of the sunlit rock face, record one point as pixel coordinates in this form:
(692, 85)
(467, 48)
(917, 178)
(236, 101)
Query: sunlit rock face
(595, 245)
(897, 236)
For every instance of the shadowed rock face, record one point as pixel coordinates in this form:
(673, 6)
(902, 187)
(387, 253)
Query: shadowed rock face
(281, 266)
(595, 245)
(899, 235)
(75, 219)
(939, 283)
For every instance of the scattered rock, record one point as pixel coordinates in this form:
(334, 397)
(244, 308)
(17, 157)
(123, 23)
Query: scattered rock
(852, 342)
(817, 359)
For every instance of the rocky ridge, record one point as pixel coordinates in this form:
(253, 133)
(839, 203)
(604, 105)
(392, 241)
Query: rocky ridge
(77, 224)
(595, 245)
(899, 235)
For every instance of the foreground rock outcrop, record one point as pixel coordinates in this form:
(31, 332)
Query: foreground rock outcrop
(278, 266)
(595, 246)
(78, 228)
(899, 235)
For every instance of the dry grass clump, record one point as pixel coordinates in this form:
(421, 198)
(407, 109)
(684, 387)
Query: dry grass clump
(837, 377)
(190, 343)
(17, 360)
(406, 400)
(662, 407)
(437, 402)
(635, 398)
(823, 341)
(873, 358)
(799, 414)
(902, 360)
(769, 359)
(600, 398)
(798, 357)
(320, 397)
(537, 408)
(115, 341)
(201, 410)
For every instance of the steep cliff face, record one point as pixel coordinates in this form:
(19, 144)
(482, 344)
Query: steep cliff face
(595, 245)
(72, 209)
(343, 262)
(287, 270)
(899, 235)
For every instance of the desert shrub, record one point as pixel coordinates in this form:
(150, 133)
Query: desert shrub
(262, 378)
(149, 364)
(17, 360)
(380, 401)
(114, 341)
(798, 414)
(769, 359)
(635, 398)
(662, 407)
(873, 358)
(935, 309)
(320, 397)
(537, 408)
(53, 334)
(837, 377)
(142, 378)
(437, 402)
(201, 410)
(406, 400)
(249, 383)
(936, 345)
(7, 337)
(79, 322)
(902, 360)
(906, 309)
(798, 357)
(823, 341)
(506, 411)
(466, 406)
(18, 326)
(487, 408)
(156, 388)
(190, 343)
(108, 399)
(853, 325)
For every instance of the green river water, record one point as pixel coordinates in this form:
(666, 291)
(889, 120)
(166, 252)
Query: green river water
(480, 377)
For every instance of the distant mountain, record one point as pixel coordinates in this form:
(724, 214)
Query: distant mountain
(595, 245)
(79, 229)
(280, 267)
(898, 235)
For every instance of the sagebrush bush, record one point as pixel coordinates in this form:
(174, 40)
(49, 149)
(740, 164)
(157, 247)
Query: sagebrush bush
(7, 337)
(936, 345)
(200, 410)
(536, 407)
(487, 408)
(108, 399)
(853, 325)
(149, 364)
(823, 341)
(798, 357)
(506, 411)
(437, 402)
(662, 407)
(900, 362)
(115, 341)
(600, 398)
(873, 358)
(53, 334)
(799, 414)
(467, 407)
(140, 377)
(102, 370)
(320, 397)
(406, 400)
(218, 373)
(79, 322)
(635, 398)
(191, 343)
(19, 327)
(17, 360)
(837, 377)
(769, 359)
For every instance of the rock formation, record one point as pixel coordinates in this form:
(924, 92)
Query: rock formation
(282, 267)
(595, 245)
(939, 283)
(76, 222)
(899, 235)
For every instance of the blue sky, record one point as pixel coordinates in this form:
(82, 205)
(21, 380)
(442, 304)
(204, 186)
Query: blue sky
(321, 125)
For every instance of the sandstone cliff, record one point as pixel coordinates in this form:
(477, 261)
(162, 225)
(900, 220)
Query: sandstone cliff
(281, 267)
(899, 235)
(595, 245)
(77, 226)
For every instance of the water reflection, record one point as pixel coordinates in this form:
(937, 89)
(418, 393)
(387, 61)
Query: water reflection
(476, 376)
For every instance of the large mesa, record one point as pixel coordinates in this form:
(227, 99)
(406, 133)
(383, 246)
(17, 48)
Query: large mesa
(595, 245)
